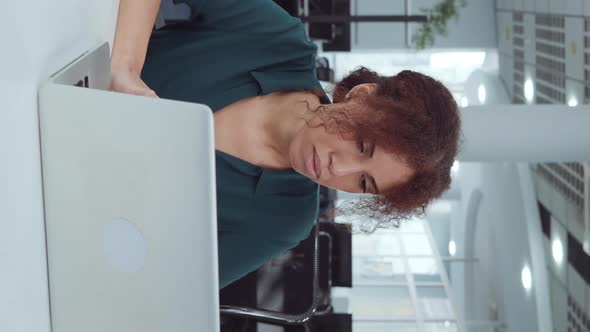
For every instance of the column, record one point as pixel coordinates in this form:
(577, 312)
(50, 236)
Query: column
(526, 133)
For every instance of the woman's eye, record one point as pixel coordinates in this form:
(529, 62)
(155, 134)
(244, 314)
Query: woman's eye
(364, 183)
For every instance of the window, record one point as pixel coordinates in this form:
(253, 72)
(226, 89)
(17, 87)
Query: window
(434, 303)
(376, 245)
(378, 270)
(381, 302)
(397, 280)
(384, 327)
(424, 270)
(416, 244)
(447, 326)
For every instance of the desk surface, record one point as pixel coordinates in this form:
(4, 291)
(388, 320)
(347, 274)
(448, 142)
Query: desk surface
(38, 37)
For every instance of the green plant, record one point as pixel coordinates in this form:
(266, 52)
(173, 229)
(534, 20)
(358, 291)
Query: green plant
(438, 17)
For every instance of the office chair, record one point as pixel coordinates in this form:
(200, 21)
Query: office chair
(290, 6)
(340, 236)
(323, 70)
(286, 291)
(325, 323)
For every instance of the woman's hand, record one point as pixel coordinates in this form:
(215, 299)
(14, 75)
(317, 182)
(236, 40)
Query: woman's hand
(134, 26)
(128, 81)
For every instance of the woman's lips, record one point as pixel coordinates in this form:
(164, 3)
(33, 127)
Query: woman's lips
(310, 164)
(317, 164)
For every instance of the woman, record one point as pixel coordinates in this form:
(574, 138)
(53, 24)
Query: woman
(276, 134)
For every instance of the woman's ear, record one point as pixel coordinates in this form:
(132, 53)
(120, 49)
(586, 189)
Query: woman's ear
(362, 89)
(370, 87)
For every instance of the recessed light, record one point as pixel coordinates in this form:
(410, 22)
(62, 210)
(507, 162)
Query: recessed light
(452, 248)
(481, 93)
(557, 250)
(464, 102)
(455, 167)
(526, 278)
(529, 90)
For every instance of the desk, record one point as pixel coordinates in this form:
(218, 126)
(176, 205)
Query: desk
(38, 37)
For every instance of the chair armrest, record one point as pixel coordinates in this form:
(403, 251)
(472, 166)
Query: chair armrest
(278, 318)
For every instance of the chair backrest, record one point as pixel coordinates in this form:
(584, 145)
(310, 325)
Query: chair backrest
(284, 291)
(324, 73)
(290, 6)
(340, 252)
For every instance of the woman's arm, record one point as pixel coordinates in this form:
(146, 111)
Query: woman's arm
(134, 26)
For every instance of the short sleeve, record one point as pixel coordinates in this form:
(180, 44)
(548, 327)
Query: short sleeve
(244, 16)
(243, 47)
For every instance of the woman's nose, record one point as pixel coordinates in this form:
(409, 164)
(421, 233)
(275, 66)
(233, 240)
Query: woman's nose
(342, 165)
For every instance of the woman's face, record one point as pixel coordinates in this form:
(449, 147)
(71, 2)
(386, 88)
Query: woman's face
(342, 164)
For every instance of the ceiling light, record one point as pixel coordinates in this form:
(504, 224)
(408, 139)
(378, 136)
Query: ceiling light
(455, 167)
(529, 90)
(481, 93)
(464, 102)
(557, 250)
(527, 278)
(452, 248)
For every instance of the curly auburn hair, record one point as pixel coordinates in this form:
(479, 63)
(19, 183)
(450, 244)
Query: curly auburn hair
(413, 116)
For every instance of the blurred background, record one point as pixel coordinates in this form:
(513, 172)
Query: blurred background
(506, 249)
(503, 249)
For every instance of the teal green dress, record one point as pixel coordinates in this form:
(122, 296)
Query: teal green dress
(231, 50)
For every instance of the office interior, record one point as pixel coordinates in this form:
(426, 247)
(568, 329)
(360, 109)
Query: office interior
(505, 249)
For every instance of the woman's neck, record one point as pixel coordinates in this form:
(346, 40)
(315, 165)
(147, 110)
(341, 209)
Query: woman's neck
(260, 129)
(282, 116)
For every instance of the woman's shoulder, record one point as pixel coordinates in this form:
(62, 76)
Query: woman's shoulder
(254, 34)
(243, 17)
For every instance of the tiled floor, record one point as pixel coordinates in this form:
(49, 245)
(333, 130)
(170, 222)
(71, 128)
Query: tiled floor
(548, 42)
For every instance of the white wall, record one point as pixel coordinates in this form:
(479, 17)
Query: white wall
(38, 38)
(376, 35)
(475, 27)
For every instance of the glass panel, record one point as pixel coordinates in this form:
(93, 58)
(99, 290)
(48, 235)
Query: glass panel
(429, 62)
(375, 245)
(434, 303)
(381, 302)
(362, 245)
(451, 59)
(378, 269)
(384, 327)
(447, 326)
(387, 245)
(412, 226)
(416, 244)
(424, 269)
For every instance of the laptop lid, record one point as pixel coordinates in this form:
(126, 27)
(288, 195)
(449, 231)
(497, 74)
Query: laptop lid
(130, 209)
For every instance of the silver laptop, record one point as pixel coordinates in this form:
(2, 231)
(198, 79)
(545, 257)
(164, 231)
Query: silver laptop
(130, 209)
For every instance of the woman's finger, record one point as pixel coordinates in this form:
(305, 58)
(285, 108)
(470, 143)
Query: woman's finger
(151, 93)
